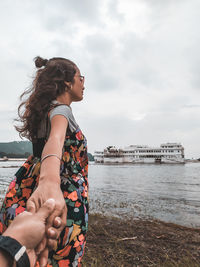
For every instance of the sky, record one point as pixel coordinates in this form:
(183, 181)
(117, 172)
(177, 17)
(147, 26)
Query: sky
(140, 59)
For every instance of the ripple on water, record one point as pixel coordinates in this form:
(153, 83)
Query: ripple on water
(166, 192)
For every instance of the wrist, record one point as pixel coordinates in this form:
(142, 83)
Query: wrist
(15, 251)
(5, 259)
(53, 179)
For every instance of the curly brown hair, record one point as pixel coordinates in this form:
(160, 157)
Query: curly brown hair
(47, 85)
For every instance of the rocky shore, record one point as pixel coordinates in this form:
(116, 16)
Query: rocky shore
(140, 243)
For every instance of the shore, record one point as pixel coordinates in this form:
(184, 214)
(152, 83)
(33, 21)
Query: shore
(136, 243)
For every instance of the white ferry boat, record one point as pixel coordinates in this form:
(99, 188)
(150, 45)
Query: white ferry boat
(166, 153)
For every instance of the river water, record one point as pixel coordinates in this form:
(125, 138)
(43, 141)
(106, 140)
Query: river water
(169, 193)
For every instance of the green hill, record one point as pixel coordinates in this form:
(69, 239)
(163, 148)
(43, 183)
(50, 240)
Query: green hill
(15, 149)
(21, 149)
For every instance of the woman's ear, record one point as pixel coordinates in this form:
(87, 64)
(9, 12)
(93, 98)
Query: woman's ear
(69, 85)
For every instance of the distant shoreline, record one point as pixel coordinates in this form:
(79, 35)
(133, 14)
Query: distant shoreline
(12, 159)
(12, 166)
(142, 163)
(95, 163)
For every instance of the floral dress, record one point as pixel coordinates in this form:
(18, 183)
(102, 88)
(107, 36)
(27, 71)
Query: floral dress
(74, 185)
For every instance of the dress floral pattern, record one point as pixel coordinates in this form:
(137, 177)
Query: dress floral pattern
(74, 185)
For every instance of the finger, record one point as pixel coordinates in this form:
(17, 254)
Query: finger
(57, 222)
(52, 233)
(52, 244)
(30, 206)
(64, 217)
(50, 219)
(47, 208)
(43, 258)
(57, 213)
(41, 246)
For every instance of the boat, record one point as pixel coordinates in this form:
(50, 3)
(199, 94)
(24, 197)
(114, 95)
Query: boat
(165, 153)
(4, 159)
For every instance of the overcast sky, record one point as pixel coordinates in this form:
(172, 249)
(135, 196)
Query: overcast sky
(140, 59)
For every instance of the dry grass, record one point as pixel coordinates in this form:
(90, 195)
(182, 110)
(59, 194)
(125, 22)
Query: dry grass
(116, 243)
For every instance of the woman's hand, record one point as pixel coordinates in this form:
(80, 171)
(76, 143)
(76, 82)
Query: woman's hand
(45, 190)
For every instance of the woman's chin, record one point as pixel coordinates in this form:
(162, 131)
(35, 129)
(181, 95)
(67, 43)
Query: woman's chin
(78, 99)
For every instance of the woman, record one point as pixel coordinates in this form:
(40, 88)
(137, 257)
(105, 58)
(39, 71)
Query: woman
(58, 167)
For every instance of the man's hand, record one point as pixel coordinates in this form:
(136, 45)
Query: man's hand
(29, 229)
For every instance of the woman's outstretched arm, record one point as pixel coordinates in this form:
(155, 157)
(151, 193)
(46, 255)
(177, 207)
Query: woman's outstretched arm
(49, 181)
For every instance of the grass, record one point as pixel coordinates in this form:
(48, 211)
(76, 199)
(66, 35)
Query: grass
(112, 242)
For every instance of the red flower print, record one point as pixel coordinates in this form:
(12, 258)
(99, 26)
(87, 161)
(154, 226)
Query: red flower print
(64, 252)
(73, 196)
(22, 203)
(64, 263)
(11, 193)
(27, 182)
(19, 210)
(12, 184)
(77, 204)
(79, 135)
(26, 192)
(66, 194)
(1, 228)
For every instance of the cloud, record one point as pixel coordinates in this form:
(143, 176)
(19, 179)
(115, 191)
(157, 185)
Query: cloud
(140, 59)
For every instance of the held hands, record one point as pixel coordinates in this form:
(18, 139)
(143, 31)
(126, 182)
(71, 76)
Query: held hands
(55, 222)
(28, 229)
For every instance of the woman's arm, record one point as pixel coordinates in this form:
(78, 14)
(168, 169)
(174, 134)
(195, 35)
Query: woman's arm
(50, 167)
(49, 181)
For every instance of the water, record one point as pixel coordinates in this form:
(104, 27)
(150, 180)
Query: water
(170, 193)
(7, 174)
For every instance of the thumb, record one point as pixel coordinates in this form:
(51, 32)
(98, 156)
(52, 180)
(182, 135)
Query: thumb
(30, 206)
(46, 209)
